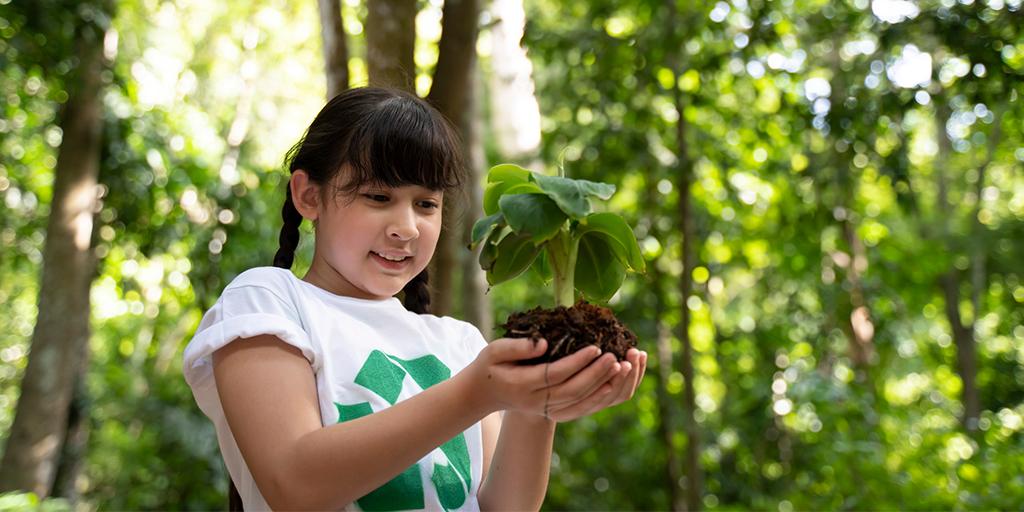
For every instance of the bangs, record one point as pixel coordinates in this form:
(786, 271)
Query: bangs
(402, 142)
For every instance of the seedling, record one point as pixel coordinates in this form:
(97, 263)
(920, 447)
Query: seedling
(547, 224)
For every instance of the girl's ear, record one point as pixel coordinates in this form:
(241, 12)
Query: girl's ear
(305, 194)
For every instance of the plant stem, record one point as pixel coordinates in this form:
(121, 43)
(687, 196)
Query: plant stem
(562, 250)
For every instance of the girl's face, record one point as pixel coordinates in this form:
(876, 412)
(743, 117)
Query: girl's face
(369, 245)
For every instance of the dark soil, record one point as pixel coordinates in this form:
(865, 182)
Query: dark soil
(570, 329)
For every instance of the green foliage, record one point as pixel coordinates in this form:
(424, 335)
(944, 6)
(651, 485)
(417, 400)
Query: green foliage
(786, 420)
(781, 178)
(12, 501)
(530, 214)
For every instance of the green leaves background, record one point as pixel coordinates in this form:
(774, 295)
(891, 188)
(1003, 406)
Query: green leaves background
(786, 422)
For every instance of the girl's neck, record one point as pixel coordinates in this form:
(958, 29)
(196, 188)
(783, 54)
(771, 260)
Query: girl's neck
(322, 276)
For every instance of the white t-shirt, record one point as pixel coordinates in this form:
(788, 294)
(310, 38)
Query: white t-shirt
(366, 355)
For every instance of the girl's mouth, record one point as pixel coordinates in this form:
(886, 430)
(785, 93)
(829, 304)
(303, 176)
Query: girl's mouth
(390, 263)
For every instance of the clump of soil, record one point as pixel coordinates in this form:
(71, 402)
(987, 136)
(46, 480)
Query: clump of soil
(570, 329)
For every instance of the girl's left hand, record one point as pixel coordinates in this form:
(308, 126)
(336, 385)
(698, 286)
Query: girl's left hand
(618, 389)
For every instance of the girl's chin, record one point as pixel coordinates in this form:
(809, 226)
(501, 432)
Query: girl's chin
(389, 287)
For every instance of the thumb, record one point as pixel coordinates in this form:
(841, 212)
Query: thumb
(514, 349)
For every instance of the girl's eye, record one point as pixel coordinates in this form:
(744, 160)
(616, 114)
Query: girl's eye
(383, 198)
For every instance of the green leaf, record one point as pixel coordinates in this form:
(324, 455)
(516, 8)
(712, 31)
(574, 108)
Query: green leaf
(495, 191)
(509, 173)
(573, 196)
(489, 250)
(515, 253)
(488, 254)
(624, 244)
(500, 179)
(542, 268)
(492, 192)
(524, 188)
(599, 273)
(533, 214)
(483, 227)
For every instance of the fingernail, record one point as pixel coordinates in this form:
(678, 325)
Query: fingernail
(596, 350)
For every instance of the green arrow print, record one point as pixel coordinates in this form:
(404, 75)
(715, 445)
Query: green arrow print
(383, 374)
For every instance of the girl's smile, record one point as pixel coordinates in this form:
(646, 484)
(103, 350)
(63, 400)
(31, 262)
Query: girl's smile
(392, 262)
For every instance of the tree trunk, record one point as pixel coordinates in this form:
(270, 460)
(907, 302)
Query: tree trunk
(667, 426)
(476, 304)
(390, 41)
(963, 334)
(451, 92)
(59, 351)
(335, 50)
(684, 171)
(76, 440)
(860, 330)
(966, 359)
(694, 476)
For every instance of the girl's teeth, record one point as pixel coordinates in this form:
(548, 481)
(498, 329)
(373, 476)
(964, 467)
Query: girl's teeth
(391, 259)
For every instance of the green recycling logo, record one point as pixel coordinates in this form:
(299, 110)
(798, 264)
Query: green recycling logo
(383, 374)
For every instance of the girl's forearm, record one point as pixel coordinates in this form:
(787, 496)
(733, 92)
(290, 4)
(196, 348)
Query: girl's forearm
(333, 466)
(518, 476)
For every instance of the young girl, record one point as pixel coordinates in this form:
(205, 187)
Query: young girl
(328, 393)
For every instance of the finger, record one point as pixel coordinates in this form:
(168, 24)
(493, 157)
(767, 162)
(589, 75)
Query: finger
(625, 386)
(638, 374)
(516, 349)
(589, 405)
(608, 394)
(560, 371)
(613, 368)
(643, 368)
(616, 384)
(585, 381)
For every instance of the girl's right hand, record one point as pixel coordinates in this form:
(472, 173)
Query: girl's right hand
(538, 389)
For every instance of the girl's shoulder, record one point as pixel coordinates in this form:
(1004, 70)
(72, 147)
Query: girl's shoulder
(274, 278)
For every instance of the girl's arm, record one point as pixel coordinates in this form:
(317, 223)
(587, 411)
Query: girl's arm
(517, 477)
(269, 396)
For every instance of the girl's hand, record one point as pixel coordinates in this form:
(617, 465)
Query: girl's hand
(543, 388)
(618, 389)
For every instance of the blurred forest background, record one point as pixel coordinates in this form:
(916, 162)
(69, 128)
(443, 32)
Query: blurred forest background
(829, 196)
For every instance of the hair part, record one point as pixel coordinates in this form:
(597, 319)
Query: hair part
(380, 137)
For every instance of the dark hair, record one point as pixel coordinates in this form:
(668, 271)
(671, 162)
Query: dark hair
(380, 136)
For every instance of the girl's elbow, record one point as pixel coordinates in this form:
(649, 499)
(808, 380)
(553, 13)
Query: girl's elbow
(280, 494)
(292, 491)
(287, 492)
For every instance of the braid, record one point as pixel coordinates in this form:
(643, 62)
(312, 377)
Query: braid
(417, 294)
(289, 238)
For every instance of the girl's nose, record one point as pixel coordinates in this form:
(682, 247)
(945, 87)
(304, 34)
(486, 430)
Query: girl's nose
(403, 225)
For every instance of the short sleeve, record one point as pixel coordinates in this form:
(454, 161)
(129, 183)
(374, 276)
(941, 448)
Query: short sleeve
(473, 339)
(243, 312)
